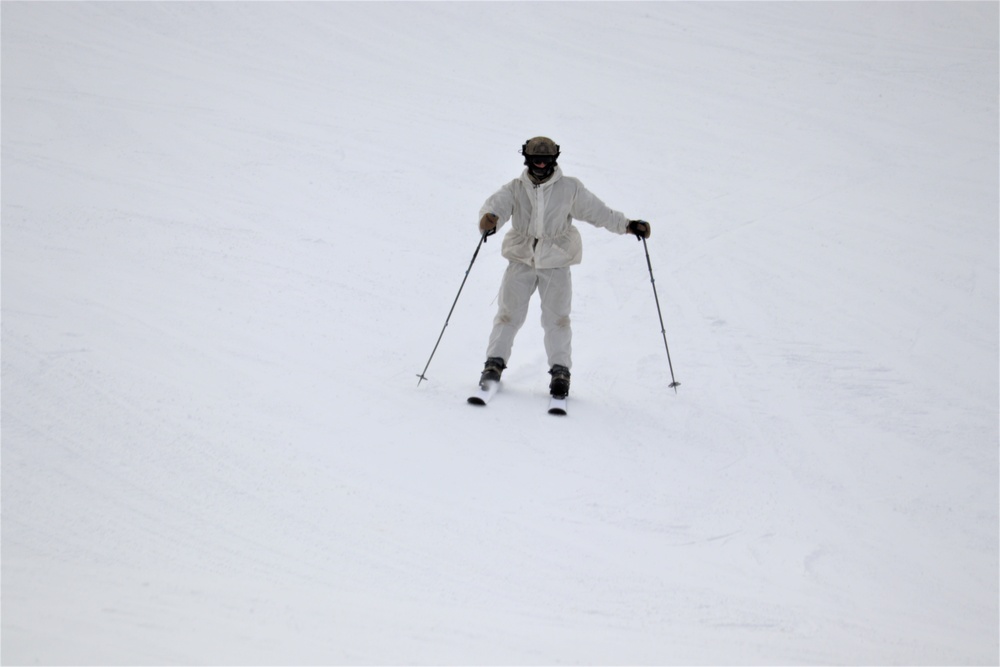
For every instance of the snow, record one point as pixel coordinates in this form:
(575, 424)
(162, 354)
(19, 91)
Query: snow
(231, 233)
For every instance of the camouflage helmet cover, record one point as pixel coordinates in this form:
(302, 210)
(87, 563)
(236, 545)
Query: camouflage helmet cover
(540, 146)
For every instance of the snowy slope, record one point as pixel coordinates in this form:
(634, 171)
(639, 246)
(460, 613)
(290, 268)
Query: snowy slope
(231, 233)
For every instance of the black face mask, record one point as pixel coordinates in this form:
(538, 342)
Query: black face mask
(540, 166)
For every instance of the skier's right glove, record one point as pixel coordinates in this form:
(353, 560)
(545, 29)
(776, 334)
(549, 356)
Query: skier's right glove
(488, 225)
(640, 228)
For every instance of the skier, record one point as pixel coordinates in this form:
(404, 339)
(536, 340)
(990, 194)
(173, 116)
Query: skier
(541, 247)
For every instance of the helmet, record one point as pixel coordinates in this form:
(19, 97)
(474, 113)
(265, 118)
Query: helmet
(540, 146)
(540, 155)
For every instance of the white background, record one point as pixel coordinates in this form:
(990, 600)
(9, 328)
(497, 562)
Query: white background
(231, 235)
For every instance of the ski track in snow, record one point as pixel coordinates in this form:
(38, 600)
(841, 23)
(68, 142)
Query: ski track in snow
(231, 232)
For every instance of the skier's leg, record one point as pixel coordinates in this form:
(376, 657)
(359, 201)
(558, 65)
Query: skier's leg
(516, 287)
(555, 287)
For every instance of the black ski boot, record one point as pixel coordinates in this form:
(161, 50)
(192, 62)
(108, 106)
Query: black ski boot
(492, 371)
(559, 386)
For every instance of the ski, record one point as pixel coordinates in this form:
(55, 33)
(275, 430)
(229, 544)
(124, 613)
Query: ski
(557, 406)
(484, 393)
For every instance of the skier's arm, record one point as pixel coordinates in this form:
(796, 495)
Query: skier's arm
(500, 205)
(587, 207)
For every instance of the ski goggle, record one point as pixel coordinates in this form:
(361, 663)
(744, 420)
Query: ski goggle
(541, 159)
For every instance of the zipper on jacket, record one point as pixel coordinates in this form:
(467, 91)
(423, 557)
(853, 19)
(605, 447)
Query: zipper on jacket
(539, 212)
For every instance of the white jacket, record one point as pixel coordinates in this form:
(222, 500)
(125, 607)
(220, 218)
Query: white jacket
(542, 234)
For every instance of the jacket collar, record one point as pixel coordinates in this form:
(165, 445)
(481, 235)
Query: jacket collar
(526, 178)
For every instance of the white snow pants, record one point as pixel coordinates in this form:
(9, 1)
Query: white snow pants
(556, 291)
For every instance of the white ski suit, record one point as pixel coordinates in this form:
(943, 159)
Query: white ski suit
(542, 245)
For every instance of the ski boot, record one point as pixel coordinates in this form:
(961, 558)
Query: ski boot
(559, 386)
(492, 371)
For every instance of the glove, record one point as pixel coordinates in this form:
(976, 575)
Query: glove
(488, 225)
(638, 227)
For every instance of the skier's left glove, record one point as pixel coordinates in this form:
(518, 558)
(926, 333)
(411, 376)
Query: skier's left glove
(640, 228)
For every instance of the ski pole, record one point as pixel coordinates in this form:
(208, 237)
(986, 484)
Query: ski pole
(673, 383)
(482, 240)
